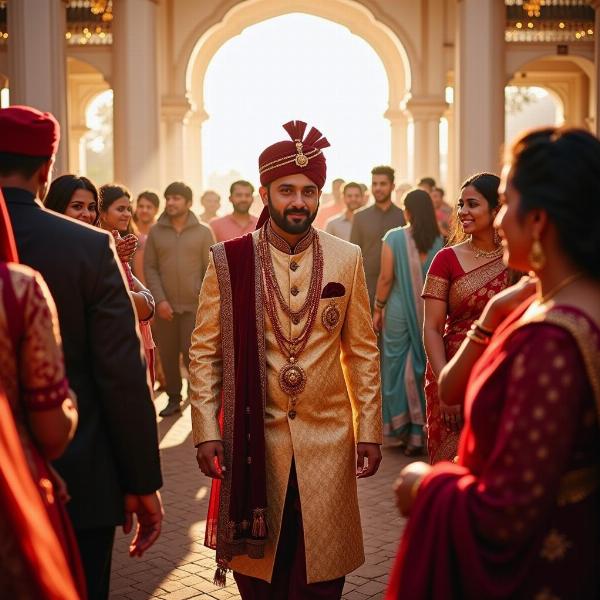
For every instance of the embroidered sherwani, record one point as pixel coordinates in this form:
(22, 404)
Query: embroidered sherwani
(339, 407)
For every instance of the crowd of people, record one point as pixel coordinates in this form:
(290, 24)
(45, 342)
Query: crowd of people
(467, 334)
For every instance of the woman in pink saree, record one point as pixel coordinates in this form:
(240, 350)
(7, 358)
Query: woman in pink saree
(461, 280)
(518, 516)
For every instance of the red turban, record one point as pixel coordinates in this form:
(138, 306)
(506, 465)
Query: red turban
(293, 156)
(25, 130)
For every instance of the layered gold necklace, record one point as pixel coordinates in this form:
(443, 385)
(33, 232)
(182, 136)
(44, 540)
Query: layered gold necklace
(292, 377)
(479, 253)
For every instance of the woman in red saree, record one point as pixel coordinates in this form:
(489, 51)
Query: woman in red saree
(519, 515)
(39, 559)
(461, 280)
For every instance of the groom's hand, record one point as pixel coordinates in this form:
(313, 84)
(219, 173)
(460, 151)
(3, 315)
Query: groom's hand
(369, 453)
(211, 458)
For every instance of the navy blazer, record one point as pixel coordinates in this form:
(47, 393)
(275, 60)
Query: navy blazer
(115, 448)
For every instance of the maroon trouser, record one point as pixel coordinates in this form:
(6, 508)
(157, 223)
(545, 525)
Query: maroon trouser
(289, 572)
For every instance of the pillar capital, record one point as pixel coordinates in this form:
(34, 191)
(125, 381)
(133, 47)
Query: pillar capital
(175, 108)
(424, 108)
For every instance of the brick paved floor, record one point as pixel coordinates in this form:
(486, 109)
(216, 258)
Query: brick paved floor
(179, 567)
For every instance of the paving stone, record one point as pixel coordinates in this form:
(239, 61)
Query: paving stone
(179, 567)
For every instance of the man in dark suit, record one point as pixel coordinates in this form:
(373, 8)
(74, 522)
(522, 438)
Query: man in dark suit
(112, 466)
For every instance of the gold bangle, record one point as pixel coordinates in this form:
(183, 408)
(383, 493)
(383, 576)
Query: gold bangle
(483, 330)
(474, 337)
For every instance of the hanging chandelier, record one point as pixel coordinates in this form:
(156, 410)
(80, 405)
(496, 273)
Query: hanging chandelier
(102, 8)
(533, 8)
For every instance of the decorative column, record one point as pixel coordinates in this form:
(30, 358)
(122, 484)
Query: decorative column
(77, 160)
(480, 80)
(451, 183)
(37, 62)
(193, 166)
(174, 111)
(136, 101)
(399, 146)
(425, 113)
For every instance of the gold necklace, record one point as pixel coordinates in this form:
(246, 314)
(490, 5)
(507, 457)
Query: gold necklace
(479, 253)
(563, 284)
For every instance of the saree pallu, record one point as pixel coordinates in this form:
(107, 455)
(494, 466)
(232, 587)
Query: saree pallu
(403, 364)
(466, 295)
(519, 516)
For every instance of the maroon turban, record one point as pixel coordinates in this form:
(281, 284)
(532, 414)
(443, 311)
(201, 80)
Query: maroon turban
(293, 156)
(25, 130)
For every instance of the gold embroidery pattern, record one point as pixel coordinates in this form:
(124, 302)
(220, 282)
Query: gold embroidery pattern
(587, 340)
(554, 546)
(224, 550)
(436, 287)
(448, 448)
(474, 281)
(260, 326)
(278, 242)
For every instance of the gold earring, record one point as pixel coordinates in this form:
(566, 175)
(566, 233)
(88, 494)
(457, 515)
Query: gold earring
(537, 258)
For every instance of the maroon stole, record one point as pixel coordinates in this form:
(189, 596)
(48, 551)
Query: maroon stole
(236, 523)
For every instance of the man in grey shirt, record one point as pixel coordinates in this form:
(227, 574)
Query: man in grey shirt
(341, 225)
(370, 224)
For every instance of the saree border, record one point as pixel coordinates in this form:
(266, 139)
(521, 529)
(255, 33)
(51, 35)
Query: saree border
(466, 285)
(223, 549)
(436, 287)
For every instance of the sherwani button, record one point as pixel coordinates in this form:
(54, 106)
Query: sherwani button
(294, 291)
(294, 265)
(292, 414)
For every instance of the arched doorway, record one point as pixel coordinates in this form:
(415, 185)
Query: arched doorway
(392, 47)
(344, 91)
(84, 84)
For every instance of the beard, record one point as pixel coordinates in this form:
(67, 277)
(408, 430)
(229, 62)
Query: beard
(384, 199)
(285, 223)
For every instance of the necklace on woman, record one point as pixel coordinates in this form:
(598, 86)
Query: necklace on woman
(479, 253)
(292, 377)
(559, 286)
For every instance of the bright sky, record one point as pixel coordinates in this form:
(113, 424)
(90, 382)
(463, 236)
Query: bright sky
(296, 67)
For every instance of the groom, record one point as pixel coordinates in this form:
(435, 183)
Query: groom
(284, 344)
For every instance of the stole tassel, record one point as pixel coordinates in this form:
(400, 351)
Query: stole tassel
(259, 526)
(220, 578)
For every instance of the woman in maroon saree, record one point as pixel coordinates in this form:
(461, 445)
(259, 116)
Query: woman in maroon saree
(519, 515)
(460, 281)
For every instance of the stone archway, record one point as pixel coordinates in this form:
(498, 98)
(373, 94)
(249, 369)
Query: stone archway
(393, 48)
(568, 78)
(84, 83)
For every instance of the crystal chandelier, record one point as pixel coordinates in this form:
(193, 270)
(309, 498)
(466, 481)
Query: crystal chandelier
(533, 8)
(102, 7)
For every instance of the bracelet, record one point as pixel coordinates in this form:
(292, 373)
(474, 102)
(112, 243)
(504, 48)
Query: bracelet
(477, 326)
(379, 303)
(477, 338)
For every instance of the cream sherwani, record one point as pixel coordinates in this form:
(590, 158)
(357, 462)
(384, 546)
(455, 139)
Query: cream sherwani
(340, 406)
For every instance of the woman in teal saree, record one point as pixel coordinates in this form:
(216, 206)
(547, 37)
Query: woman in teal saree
(406, 255)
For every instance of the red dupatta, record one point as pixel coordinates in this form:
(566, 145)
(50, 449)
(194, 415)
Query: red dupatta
(236, 523)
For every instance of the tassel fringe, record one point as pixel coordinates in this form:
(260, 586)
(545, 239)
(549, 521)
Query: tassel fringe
(220, 578)
(295, 129)
(259, 526)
